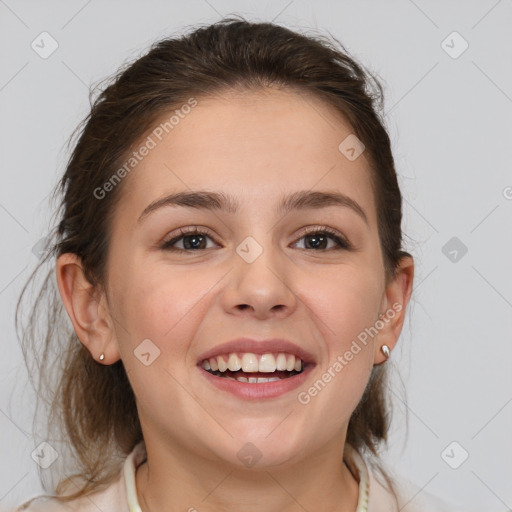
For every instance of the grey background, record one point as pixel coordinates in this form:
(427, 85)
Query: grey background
(450, 122)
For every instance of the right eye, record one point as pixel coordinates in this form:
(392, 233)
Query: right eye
(192, 240)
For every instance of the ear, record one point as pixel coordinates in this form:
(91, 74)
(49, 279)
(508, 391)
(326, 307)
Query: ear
(393, 307)
(87, 309)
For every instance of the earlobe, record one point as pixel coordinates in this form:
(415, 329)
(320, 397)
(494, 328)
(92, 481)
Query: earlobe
(87, 309)
(393, 308)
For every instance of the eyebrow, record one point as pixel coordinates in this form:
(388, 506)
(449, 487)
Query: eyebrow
(301, 200)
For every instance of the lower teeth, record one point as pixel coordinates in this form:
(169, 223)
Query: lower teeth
(252, 380)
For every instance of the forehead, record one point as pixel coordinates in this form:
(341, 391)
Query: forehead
(250, 144)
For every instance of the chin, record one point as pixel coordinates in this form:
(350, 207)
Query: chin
(263, 451)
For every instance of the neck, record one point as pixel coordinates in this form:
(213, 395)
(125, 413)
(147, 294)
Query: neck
(174, 480)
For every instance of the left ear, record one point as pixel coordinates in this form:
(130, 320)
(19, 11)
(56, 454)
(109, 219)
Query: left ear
(393, 307)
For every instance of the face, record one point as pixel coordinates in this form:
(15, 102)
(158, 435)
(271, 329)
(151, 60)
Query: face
(312, 275)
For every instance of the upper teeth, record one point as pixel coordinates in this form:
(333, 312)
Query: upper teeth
(250, 363)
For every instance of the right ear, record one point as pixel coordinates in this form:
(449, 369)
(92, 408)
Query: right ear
(87, 309)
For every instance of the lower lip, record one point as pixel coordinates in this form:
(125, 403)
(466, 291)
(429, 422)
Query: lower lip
(256, 391)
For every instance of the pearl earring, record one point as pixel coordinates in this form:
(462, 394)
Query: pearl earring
(102, 356)
(385, 350)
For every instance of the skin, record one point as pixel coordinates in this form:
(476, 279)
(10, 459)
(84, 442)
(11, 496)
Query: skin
(255, 146)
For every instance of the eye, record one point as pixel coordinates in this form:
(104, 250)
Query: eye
(192, 239)
(318, 238)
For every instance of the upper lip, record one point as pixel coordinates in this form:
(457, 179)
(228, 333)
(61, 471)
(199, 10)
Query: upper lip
(274, 345)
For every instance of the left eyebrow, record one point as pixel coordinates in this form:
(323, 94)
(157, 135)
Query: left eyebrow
(301, 200)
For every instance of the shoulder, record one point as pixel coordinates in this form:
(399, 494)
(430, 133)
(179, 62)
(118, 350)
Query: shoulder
(111, 498)
(42, 503)
(118, 496)
(410, 497)
(379, 497)
(419, 500)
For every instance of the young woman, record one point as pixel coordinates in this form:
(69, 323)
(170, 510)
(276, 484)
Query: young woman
(229, 255)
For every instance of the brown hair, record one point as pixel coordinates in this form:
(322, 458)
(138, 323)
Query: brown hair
(92, 403)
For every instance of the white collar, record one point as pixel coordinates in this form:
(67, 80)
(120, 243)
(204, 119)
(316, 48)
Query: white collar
(352, 458)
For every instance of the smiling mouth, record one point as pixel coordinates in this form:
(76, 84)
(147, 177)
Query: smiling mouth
(254, 368)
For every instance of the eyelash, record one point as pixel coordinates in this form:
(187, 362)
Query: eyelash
(342, 242)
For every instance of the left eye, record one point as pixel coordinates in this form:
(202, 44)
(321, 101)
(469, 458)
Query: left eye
(319, 238)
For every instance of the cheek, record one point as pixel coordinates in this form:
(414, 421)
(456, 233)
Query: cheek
(162, 307)
(346, 304)
(346, 307)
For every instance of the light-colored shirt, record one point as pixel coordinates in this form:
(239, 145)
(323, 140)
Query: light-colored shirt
(121, 494)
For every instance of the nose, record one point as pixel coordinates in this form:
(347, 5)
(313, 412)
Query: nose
(260, 288)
